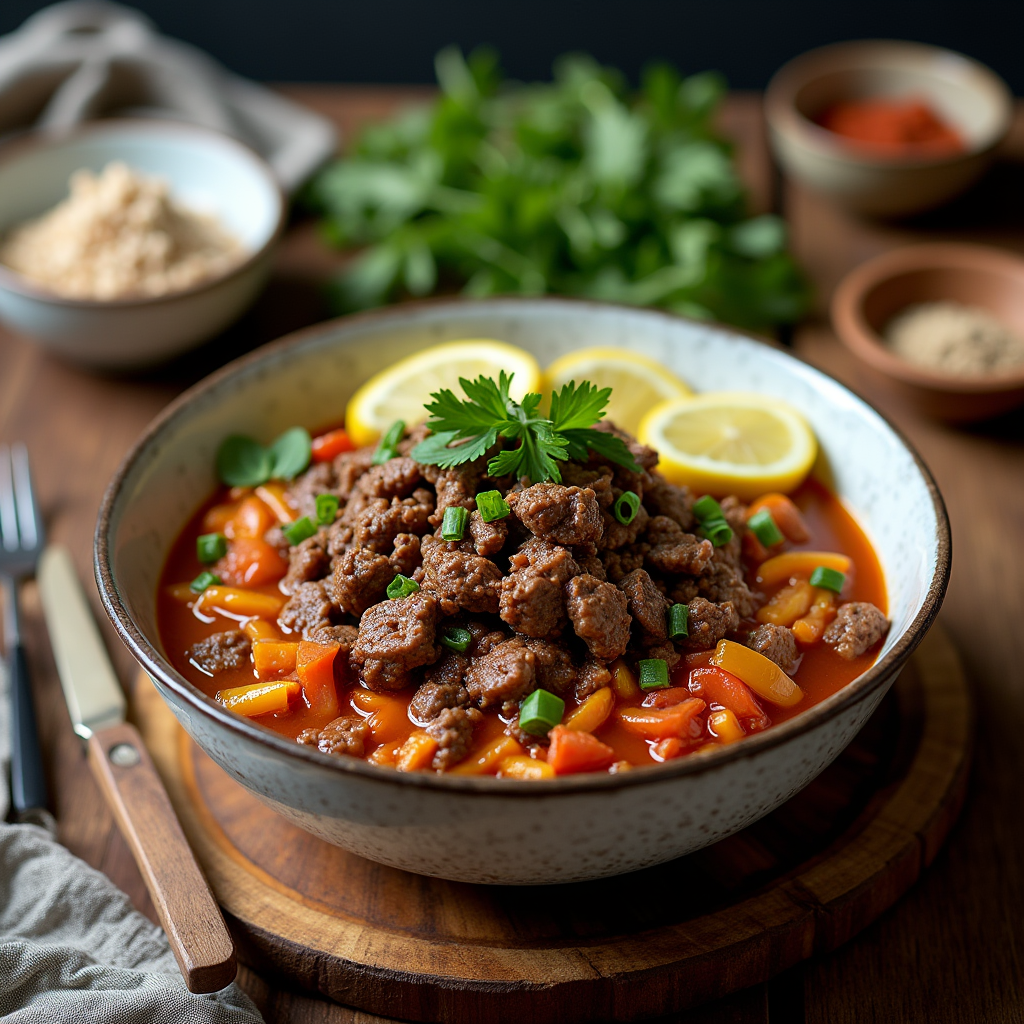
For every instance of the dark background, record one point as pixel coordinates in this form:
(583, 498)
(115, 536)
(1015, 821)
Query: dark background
(394, 40)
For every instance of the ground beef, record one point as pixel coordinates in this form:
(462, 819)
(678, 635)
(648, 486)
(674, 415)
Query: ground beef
(380, 522)
(360, 579)
(339, 538)
(412, 438)
(722, 581)
(456, 486)
(554, 512)
(459, 580)
(597, 478)
(221, 651)
(349, 467)
(308, 609)
(320, 478)
(858, 626)
(599, 615)
(532, 601)
(590, 677)
(619, 535)
(486, 642)
(671, 501)
(488, 538)
(674, 551)
(344, 635)
(453, 730)
(307, 561)
(683, 590)
(647, 604)
(406, 557)
(345, 735)
(442, 687)
(278, 541)
(708, 623)
(396, 637)
(555, 670)
(778, 644)
(396, 478)
(621, 563)
(663, 649)
(507, 673)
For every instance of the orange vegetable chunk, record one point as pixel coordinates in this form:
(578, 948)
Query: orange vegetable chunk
(724, 726)
(679, 720)
(572, 751)
(261, 629)
(250, 563)
(792, 601)
(809, 628)
(522, 766)
(487, 760)
(275, 497)
(273, 657)
(788, 518)
(624, 681)
(721, 687)
(761, 674)
(252, 519)
(665, 750)
(799, 565)
(390, 721)
(416, 753)
(314, 665)
(237, 602)
(593, 712)
(327, 447)
(259, 698)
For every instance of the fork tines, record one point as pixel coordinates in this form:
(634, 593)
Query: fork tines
(20, 526)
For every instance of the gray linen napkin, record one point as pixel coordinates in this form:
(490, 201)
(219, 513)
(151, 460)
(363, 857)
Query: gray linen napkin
(86, 59)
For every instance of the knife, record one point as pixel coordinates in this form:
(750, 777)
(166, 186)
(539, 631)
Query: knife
(130, 783)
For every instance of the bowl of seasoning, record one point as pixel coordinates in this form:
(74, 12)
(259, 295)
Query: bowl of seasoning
(886, 128)
(941, 324)
(126, 242)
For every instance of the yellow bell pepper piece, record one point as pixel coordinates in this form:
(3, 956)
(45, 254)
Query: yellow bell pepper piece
(788, 604)
(273, 495)
(623, 681)
(273, 657)
(809, 628)
(591, 714)
(487, 760)
(800, 565)
(761, 674)
(522, 766)
(259, 698)
(236, 601)
(416, 753)
(261, 629)
(725, 726)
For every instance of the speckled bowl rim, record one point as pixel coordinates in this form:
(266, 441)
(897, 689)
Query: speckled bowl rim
(854, 331)
(18, 148)
(784, 117)
(149, 656)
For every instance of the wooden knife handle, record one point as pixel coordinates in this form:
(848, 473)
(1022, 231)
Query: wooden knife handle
(180, 893)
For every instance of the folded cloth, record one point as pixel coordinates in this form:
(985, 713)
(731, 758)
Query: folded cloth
(87, 59)
(72, 949)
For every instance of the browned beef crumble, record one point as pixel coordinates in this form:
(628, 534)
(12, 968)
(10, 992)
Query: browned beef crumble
(346, 735)
(647, 604)
(361, 577)
(590, 677)
(307, 561)
(488, 538)
(507, 672)
(857, 627)
(554, 512)
(220, 651)
(778, 644)
(307, 610)
(709, 623)
(461, 581)
(453, 730)
(396, 637)
(600, 616)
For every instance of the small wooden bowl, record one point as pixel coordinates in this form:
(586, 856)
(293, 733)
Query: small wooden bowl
(876, 291)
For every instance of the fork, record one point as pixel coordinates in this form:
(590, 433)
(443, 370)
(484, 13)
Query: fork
(21, 541)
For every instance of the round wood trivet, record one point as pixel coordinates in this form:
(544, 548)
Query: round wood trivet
(801, 881)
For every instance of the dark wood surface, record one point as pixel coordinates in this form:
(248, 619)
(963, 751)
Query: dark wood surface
(952, 948)
(801, 881)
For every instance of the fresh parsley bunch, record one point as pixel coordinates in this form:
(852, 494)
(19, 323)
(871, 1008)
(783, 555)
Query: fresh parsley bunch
(577, 187)
(466, 429)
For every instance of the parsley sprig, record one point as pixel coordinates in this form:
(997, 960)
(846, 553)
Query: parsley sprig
(464, 429)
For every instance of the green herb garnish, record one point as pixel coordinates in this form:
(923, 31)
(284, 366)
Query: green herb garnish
(401, 586)
(653, 674)
(302, 529)
(387, 448)
(491, 506)
(243, 462)
(211, 546)
(713, 523)
(326, 509)
(626, 507)
(453, 525)
(290, 453)
(678, 621)
(540, 712)
(465, 429)
(202, 581)
(830, 579)
(457, 638)
(762, 525)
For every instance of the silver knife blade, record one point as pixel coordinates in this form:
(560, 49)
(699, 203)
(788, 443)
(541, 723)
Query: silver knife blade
(93, 694)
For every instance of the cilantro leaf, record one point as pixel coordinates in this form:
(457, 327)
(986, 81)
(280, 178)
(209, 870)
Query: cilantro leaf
(575, 407)
(608, 446)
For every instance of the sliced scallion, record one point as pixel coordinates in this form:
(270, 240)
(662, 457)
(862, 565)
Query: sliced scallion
(326, 509)
(830, 579)
(540, 712)
(491, 505)
(388, 447)
(211, 546)
(653, 673)
(707, 508)
(626, 507)
(453, 525)
(302, 529)
(401, 586)
(457, 638)
(718, 531)
(678, 621)
(202, 581)
(763, 527)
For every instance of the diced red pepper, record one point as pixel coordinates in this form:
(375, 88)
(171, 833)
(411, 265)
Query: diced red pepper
(720, 687)
(574, 751)
(314, 665)
(250, 562)
(327, 447)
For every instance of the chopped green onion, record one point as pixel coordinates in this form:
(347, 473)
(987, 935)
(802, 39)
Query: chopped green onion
(491, 505)
(457, 638)
(302, 529)
(326, 509)
(540, 712)
(202, 581)
(830, 579)
(626, 507)
(211, 546)
(707, 508)
(388, 446)
(653, 673)
(678, 621)
(763, 526)
(453, 525)
(718, 531)
(402, 586)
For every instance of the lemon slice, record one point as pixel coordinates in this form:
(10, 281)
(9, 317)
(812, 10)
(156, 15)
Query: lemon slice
(637, 383)
(731, 442)
(400, 391)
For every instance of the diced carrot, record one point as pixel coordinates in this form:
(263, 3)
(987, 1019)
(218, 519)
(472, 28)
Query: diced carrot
(788, 518)
(259, 698)
(252, 519)
(623, 681)
(754, 552)
(761, 674)
(182, 592)
(237, 602)
(273, 657)
(218, 518)
(275, 497)
(329, 446)
(680, 720)
(721, 687)
(520, 767)
(416, 753)
(314, 665)
(669, 697)
(261, 629)
(487, 759)
(591, 714)
(385, 755)
(799, 565)
(809, 628)
(390, 722)
(665, 750)
(250, 562)
(724, 726)
(620, 766)
(792, 601)
(573, 751)
(368, 701)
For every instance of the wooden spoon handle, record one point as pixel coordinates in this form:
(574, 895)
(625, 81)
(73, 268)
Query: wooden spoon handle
(180, 893)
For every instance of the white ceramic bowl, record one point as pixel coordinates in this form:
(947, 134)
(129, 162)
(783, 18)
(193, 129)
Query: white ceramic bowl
(966, 94)
(489, 829)
(207, 171)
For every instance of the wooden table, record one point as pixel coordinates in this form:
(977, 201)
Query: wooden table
(952, 949)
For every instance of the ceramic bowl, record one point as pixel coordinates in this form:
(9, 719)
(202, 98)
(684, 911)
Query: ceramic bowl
(498, 830)
(207, 171)
(966, 94)
(876, 291)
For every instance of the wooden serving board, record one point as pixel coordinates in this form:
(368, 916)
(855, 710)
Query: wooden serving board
(801, 881)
